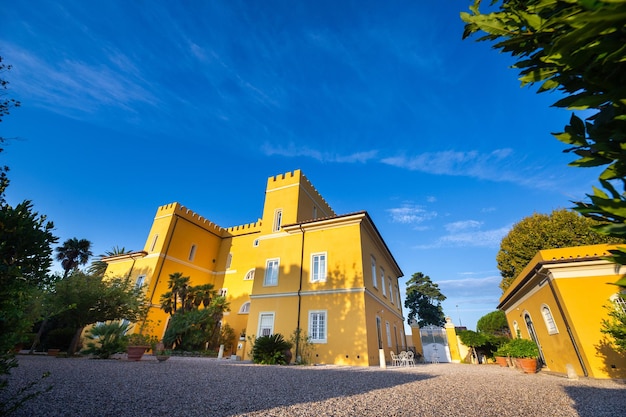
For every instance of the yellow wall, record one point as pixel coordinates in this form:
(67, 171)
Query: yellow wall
(575, 284)
(308, 226)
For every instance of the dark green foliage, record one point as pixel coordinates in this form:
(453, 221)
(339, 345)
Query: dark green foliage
(423, 299)
(81, 299)
(560, 229)
(73, 253)
(106, 339)
(59, 338)
(25, 258)
(494, 323)
(615, 326)
(98, 267)
(522, 348)
(271, 350)
(192, 328)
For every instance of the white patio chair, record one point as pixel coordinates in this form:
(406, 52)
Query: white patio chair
(408, 359)
(401, 358)
(395, 359)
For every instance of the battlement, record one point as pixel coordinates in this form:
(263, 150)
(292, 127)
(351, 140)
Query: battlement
(297, 177)
(182, 211)
(245, 228)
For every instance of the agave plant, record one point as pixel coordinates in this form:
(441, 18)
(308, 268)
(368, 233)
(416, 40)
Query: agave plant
(271, 350)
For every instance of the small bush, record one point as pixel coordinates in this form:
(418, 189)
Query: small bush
(522, 348)
(106, 339)
(271, 350)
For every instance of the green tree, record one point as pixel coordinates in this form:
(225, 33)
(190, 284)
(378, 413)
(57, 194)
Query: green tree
(494, 323)
(473, 340)
(192, 327)
(560, 229)
(73, 253)
(423, 299)
(83, 299)
(98, 267)
(577, 48)
(26, 241)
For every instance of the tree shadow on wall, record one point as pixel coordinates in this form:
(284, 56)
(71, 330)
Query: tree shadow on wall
(614, 362)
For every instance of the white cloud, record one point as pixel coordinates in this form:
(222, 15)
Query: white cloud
(409, 214)
(463, 225)
(292, 151)
(474, 238)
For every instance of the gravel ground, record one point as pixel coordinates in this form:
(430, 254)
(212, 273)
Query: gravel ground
(210, 387)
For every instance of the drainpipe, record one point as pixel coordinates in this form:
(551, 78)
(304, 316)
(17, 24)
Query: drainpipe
(298, 330)
(569, 330)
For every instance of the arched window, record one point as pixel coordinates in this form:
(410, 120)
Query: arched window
(250, 275)
(547, 317)
(245, 308)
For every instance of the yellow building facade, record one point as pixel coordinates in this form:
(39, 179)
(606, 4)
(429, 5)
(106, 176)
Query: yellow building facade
(299, 266)
(560, 300)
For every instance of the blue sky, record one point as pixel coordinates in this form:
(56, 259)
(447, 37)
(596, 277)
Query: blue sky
(129, 105)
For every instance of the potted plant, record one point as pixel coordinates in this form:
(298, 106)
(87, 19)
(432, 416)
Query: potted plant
(161, 353)
(137, 344)
(501, 355)
(525, 352)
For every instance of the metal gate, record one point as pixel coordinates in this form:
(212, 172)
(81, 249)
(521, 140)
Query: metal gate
(435, 344)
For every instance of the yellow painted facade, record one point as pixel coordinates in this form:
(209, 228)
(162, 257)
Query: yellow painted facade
(352, 303)
(559, 301)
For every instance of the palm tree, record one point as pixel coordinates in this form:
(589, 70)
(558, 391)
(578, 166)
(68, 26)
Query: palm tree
(99, 267)
(179, 292)
(73, 253)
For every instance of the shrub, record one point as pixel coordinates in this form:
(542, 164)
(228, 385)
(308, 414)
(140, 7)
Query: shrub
(271, 350)
(106, 339)
(60, 338)
(522, 348)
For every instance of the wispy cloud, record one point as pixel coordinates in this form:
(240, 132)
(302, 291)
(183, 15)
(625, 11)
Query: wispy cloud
(294, 151)
(459, 237)
(456, 227)
(410, 214)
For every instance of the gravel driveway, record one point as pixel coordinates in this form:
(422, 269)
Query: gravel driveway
(210, 387)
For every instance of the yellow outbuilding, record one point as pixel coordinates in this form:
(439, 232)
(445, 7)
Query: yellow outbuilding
(560, 301)
(300, 266)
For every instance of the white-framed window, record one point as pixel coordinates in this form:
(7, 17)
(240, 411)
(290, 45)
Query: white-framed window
(374, 281)
(390, 290)
(278, 219)
(271, 272)
(249, 275)
(388, 329)
(154, 242)
(547, 317)
(229, 260)
(382, 281)
(140, 280)
(245, 308)
(379, 332)
(318, 326)
(318, 267)
(222, 292)
(266, 324)
(192, 252)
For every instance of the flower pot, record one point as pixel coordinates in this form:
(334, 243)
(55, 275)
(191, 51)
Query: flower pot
(135, 352)
(162, 358)
(53, 352)
(527, 365)
(501, 360)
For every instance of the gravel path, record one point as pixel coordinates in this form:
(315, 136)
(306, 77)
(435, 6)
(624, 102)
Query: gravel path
(210, 387)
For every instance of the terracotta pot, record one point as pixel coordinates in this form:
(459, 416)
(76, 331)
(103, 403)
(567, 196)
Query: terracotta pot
(135, 352)
(162, 358)
(53, 352)
(501, 360)
(527, 365)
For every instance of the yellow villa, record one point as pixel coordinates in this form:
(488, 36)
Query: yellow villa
(560, 300)
(299, 266)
